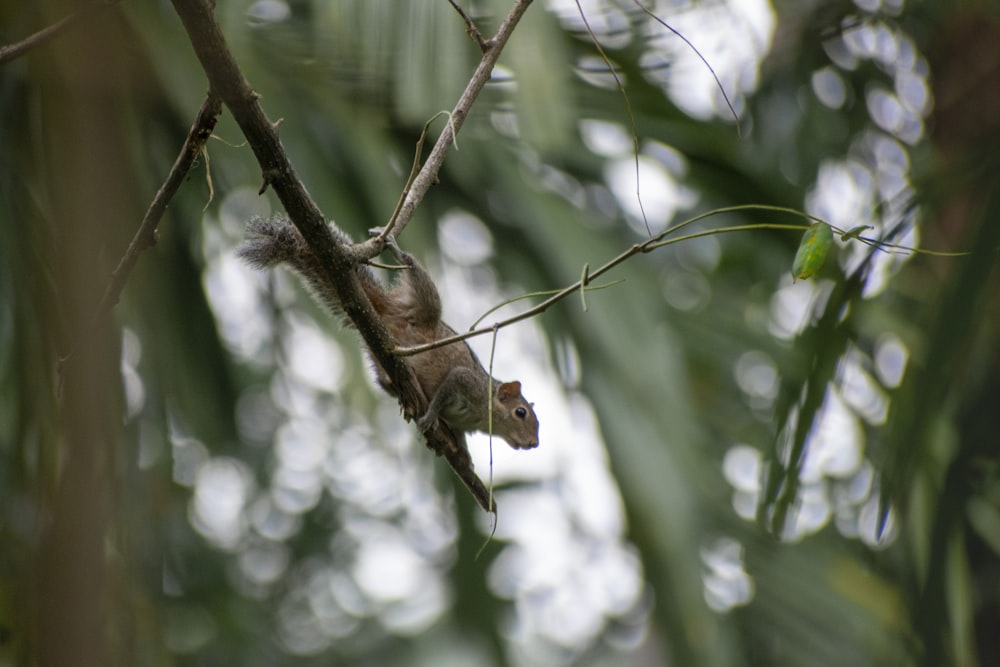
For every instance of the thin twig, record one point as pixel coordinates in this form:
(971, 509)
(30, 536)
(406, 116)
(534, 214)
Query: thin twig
(386, 231)
(470, 27)
(145, 236)
(18, 49)
(496, 519)
(703, 59)
(628, 108)
(648, 245)
(429, 173)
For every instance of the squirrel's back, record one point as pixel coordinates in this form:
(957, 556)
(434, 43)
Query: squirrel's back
(410, 309)
(451, 377)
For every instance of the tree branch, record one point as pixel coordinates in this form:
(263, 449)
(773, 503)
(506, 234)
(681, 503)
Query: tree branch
(429, 173)
(145, 236)
(338, 260)
(18, 49)
(470, 27)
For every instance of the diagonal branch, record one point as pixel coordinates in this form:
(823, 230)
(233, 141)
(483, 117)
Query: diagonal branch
(18, 49)
(338, 260)
(429, 173)
(228, 81)
(145, 236)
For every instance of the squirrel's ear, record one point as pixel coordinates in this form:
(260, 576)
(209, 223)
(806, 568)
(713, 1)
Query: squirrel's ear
(509, 390)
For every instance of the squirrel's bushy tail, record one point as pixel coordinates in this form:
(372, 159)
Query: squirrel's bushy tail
(275, 240)
(271, 241)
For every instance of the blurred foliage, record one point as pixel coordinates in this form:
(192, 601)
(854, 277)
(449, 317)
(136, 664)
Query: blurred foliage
(720, 388)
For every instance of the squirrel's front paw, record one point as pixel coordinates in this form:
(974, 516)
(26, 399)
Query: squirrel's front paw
(426, 423)
(392, 245)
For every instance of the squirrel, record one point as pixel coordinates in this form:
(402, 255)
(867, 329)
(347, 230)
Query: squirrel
(451, 377)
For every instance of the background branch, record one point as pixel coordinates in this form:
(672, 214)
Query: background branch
(18, 49)
(145, 236)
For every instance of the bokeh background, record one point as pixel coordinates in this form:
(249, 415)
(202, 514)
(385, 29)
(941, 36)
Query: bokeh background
(735, 468)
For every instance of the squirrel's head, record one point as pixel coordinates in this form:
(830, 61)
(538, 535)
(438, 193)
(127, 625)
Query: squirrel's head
(514, 418)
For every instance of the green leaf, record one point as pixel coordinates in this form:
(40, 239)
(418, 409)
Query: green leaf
(812, 252)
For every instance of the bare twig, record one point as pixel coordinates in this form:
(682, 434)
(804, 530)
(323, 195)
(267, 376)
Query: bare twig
(722, 89)
(470, 26)
(145, 236)
(429, 173)
(18, 49)
(414, 170)
(628, 107)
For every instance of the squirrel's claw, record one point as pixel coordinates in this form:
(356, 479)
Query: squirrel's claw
(426, 423)
(390, 243)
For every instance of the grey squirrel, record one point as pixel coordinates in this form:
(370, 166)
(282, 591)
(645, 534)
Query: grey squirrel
(451, 377)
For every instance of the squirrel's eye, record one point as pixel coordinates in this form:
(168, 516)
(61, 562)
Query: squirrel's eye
(521, 413)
